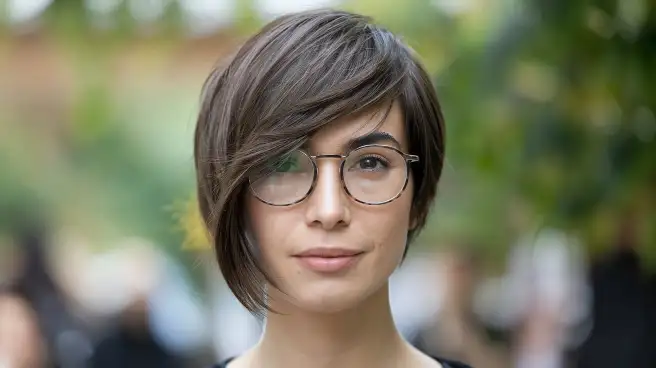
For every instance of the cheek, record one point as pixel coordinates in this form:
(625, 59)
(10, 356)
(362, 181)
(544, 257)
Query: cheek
(262, 229)
(270, 225)
(390, 224)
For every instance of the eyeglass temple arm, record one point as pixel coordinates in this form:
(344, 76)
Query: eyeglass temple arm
(411, 158)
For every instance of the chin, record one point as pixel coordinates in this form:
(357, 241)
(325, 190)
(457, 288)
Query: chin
(333, 299)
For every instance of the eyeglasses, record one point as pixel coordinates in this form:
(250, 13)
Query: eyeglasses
(371, 174)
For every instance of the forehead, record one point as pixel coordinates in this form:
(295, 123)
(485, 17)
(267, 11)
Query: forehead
(332, 138)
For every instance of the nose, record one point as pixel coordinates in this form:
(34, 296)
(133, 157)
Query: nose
(328, 204)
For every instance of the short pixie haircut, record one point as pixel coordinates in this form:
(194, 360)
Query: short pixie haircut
(297, 75)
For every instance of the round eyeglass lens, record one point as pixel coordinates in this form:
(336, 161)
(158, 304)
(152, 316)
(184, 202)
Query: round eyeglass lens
(285, 180)
(375, 174)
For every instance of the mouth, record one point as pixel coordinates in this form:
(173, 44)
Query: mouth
(329, 260)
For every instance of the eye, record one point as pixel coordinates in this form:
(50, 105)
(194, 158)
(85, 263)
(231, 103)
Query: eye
(286, 164)
(295, 162)
(370, 163)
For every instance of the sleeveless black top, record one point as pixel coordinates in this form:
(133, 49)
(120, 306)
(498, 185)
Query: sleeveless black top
(445, 363)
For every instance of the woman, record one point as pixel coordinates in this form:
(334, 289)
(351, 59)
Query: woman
(318, 150)
(34, 310)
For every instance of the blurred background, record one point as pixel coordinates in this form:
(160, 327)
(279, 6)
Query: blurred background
(541, 250)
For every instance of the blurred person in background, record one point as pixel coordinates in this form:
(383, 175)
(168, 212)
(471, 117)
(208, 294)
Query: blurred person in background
(131, 342)
(44, 317)
(21, 342)
(455, 331)
(547, 282)
(623, 310)
(311, 241)
(153, 320)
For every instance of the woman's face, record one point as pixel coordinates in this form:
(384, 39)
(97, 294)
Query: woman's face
(329, 253)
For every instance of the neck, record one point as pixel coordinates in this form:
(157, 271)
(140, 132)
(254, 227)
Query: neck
(359, 337)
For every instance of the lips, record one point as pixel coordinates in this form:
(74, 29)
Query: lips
(329, 260)
(329, 252)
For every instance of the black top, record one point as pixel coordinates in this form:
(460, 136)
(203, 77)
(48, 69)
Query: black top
(445, 363)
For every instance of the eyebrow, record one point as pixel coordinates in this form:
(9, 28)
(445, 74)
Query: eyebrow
(370, 138)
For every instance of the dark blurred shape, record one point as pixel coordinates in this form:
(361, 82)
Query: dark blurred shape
(132, 343)
(624, 313)
(63, 334)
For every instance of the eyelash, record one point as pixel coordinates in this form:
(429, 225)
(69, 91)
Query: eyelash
(379, 159)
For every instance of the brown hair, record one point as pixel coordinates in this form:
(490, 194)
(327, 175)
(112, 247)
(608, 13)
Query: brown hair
(296, 75)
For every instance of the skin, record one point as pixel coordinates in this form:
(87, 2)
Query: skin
(344, 319)
(20, 340)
